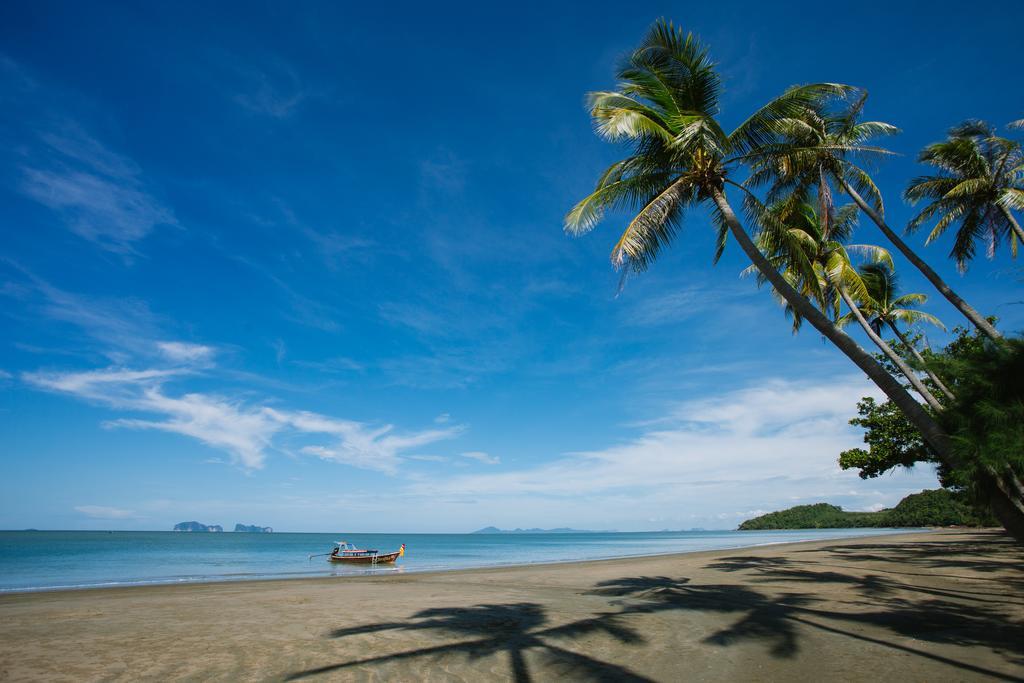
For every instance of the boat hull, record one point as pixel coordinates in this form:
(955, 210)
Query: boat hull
(386, 558)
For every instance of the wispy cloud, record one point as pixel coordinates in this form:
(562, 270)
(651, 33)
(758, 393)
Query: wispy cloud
(300, 309)
(333, 366)
(444, 171)
(334, 247)
(766, 444)
(678, 304)
(100, 194)
(184, 352)
(275, 90)
(122, 328)
(480, 456)
(246, 432)
(360, 446)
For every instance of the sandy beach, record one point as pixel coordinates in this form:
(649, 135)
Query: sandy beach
(942, 606)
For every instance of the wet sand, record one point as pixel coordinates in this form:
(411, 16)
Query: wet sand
(943, 606)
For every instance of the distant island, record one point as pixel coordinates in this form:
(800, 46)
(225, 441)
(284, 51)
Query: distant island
(196, 526)
(929, 508)
(253, 529)
(561, 530)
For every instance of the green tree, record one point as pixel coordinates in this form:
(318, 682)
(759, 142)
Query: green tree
(985, 421)
(823, 144)
(892, 440)
(980, 181)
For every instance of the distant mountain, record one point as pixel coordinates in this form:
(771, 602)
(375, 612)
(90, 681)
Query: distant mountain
(253, 529)
(937, 507)
(196, 526)
(562, 530)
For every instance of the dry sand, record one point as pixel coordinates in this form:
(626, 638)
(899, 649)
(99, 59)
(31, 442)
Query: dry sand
(945, 606)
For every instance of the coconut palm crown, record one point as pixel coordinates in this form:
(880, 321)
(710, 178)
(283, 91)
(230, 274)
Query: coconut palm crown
(665, 109)
(827, 143)
(979, 183)
(886, 306)
(809, 247)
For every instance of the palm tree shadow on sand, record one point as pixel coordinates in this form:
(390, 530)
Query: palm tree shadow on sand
(889, 608)
(774, 619)
(489, 630)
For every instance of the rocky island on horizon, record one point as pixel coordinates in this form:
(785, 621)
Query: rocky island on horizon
(198, 527)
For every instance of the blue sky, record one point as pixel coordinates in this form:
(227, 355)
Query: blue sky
(305, 268)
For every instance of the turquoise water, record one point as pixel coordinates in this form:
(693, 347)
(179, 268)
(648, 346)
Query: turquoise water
(52, 560)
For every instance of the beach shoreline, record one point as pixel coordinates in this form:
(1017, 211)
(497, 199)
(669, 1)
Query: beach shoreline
(323, 569)
(938, 605)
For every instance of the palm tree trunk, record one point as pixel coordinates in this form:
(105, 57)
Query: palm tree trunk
(1007, 508)
(968, 311)
(930, 430)
(920, 359)
(907, 371)
(1013, 223)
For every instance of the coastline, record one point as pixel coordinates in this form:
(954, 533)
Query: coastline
(560, 554)
(924, 605)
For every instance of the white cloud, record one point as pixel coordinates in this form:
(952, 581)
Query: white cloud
(114, 386)
(245, 432)
(480, 456)
(104, 512)
(362, 446)
(759, 447)
(183, 352)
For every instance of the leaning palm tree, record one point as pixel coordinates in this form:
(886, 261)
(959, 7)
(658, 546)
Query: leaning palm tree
(823, 145)
(810, 249)
(885, 307)
(979, 183)
(680, 157)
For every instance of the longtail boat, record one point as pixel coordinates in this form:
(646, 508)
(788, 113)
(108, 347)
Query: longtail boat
(348, 553)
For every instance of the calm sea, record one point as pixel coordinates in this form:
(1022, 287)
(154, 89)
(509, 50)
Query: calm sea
(52, 560)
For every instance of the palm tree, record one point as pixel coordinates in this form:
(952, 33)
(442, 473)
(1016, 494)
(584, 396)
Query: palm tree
(809, 248)
(665, 108)
(820, 145)
(680, 157)
(886, 308)
(980, 181)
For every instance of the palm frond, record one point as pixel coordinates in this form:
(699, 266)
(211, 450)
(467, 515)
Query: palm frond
(765, 125)
(652, 228)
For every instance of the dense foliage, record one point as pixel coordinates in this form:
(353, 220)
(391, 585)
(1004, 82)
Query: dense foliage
(939, 507)
(892, 441)
(985, 420)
